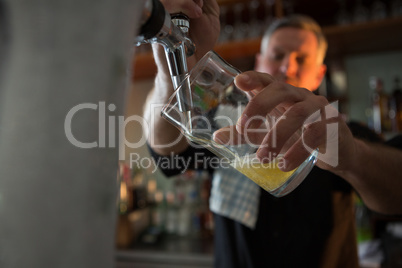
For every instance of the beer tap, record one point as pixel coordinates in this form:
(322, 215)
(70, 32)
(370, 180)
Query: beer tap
(171, 31)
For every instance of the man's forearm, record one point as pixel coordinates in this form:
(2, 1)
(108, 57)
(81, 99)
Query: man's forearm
(376, 174)
(162, 136)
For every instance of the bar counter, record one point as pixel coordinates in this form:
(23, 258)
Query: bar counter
(170, 251)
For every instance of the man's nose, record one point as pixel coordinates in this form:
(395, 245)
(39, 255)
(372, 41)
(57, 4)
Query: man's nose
(288, 66)
(283, 69)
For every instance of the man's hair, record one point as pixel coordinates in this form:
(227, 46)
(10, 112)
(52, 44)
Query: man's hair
(300, 22)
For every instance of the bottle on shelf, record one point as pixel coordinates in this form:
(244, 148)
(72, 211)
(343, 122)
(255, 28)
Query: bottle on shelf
(396, 8)
(241, 26)
(395, 105)
(380, 110)
(343, 17)
(255, 24)
(360, 12)
(378, 10)
(124, 231)
(125, 201)
(226, 26)
(364, 228)
(139, 189)
(268, 13)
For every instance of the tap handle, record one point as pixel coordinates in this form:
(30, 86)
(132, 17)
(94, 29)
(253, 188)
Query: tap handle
(183, 23)
(152, 21)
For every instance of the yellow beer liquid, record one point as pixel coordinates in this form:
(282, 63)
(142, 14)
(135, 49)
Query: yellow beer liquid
(268, 175)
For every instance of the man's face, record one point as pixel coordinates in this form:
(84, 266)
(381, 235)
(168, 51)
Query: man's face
(292, 57)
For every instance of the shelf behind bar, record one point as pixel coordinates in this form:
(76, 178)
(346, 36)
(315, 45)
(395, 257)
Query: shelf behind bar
(370, 37)
(145, 68)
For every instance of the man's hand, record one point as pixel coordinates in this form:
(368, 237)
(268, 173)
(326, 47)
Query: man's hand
(204, 22)
(321, 124)
(372, 169)
(204, 31)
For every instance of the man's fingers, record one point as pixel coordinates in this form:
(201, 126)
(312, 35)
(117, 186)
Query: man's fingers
(229, 136)
(273, 95)
(295, 156)
(300, 114)
(193, 9)
(313, 136)
(251, 80)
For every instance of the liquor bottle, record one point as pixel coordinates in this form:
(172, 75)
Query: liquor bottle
(125, 200)
(379, 100)
(364, 228)
(124, 231)
(396, 106)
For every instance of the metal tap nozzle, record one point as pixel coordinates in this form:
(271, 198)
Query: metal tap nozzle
(172, 33)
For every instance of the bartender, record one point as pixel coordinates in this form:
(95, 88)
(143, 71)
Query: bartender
(313, 225)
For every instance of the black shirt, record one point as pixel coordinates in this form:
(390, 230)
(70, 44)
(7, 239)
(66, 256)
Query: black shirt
(313, 226)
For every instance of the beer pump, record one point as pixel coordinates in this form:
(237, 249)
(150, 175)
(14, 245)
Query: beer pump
(170, 31)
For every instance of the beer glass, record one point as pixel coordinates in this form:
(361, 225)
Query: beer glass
(205, 108)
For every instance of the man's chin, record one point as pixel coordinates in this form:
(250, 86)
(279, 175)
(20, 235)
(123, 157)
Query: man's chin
(291, 82)
(286, 80)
